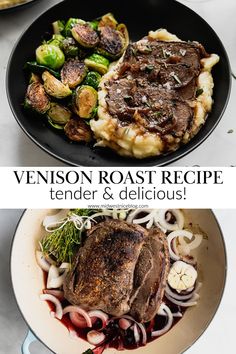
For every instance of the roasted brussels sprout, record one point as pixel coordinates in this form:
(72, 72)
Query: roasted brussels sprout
(85, 35)
(54, 87)
(50, 55)
(36, 98)
(56, 40)
(112, 43)
(93, 79)
(35, 68)
(58, 114)
(73, 72)
(108, 20)
(77, 130)
(69, 47)
(85, 101)
(70, 24)
(98, 63)
(58, 27)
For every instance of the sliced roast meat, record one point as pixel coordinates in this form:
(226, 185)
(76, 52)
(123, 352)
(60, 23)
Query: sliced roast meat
(149, 296)
(154, 85)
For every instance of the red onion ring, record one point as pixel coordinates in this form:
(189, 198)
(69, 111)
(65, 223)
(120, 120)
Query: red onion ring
(59, 294)
(99, 314)
(95, 337)
(164, 310)
(48, 297)
(80, 311)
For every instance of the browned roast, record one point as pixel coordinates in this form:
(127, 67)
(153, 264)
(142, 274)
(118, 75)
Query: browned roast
(121, 268)
(102, 274)
(153, 87)
(149, 296)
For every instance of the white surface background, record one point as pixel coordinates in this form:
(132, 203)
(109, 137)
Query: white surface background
(18, 150)
(219, 337)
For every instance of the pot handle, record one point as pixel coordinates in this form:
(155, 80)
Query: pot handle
(30, 338)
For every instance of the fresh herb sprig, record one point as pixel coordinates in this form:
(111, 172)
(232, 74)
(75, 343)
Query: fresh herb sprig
(62, 243)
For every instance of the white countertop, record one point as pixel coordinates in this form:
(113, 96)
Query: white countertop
(18, 150)
(219, 337)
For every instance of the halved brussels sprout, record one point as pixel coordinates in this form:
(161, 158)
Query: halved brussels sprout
(54, 87)
(85, 35)
(93, 79)
(56, 40)
(112, 43)
(70, 24)
(58, 114)
(50, 55)
(98, 63)
(34, 67)
(36, 98)
(85, 101)
(77, 130)
(69, 47)
(107, 20)
(73, 72)
(58, 26)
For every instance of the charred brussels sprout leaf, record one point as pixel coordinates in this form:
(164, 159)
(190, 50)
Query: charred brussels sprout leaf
(69, 25)
(93, 79)
(36, 98)
(55, 125)
(59, 114)
(124, 32)
(58, 26)
(77, 130)
(34, 78)
(85, 101)
(73, 72)
(98, 63)
(69, 47)
(85, 35)
(56, 40)
(107, 20)
(50, 55)
(54, 87)
(112, 43)
(94, 24)
(35, 68)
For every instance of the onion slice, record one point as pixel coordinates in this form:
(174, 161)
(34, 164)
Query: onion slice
(55, 280)
(80, 311)
(175, 296)
(136, 334)
(172, 236)
(189, 303)
(99, 314)
(124, 324)
(164, 311)
(59, 294)
(95, 337)
(42, 262)
(161, 219)
(59, 311)
(142, 328)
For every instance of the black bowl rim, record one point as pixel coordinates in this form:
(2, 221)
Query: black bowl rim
(185, 349)
(178, 154)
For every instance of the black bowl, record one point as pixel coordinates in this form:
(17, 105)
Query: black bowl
(140, 17)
